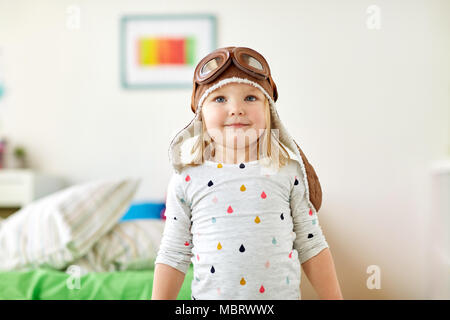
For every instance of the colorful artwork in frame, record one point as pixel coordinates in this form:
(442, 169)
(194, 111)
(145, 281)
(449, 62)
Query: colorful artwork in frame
(162, 51)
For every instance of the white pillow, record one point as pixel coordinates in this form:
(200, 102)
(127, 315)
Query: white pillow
(57, 229)
(130, 245)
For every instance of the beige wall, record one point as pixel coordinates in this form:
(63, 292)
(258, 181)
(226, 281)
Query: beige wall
(370, 109)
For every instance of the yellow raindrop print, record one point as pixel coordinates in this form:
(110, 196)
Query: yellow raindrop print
(243, 282)
(219, 246)
(257, 220)
(219, 165)
(243, 188)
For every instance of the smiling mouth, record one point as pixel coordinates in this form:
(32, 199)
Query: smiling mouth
(238, 125)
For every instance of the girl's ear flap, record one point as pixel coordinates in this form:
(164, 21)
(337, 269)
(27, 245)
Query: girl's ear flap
(194, 90)
(275, 90)
(315, 190)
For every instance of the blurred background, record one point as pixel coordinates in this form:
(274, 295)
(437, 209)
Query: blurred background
(363, 88)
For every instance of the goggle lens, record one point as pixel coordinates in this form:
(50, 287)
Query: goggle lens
(210, 66)
(252, 61)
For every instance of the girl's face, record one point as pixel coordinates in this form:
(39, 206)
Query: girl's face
(231, 104)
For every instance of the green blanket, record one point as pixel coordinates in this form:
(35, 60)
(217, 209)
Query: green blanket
(44, 284)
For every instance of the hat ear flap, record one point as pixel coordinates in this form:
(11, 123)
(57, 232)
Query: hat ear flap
(315, 190)
(275, 91)
(193, 107)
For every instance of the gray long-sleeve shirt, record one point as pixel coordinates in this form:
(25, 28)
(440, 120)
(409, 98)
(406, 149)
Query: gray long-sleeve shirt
(246, 232)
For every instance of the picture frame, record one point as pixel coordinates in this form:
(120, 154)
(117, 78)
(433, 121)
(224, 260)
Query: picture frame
(162, 51)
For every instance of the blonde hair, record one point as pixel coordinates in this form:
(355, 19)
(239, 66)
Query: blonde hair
(204, 142)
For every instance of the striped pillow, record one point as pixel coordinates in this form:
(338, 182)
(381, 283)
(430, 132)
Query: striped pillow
(130, 245)
(55, 230)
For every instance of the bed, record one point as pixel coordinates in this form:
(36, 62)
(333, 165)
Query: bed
(45, 284)
(80, 243)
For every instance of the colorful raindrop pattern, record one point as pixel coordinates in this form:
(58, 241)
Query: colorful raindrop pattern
(257, 220)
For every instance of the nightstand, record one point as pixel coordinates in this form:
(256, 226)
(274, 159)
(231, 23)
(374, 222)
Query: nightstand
(19, 187)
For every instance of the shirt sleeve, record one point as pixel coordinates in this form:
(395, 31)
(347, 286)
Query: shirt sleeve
(309, 239)
(176, 242)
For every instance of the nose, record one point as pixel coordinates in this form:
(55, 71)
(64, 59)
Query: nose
(236, 108)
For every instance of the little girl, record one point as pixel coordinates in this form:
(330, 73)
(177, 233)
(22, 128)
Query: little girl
(242, 203)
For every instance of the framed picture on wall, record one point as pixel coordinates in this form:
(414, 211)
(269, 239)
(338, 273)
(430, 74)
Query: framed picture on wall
(162, 51)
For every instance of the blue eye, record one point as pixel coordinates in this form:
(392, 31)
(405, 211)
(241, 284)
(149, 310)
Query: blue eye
(223, 99)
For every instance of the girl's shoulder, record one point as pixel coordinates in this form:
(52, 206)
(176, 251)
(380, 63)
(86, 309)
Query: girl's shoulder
(292, 166)
(188, 172)
(293, 171)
